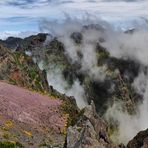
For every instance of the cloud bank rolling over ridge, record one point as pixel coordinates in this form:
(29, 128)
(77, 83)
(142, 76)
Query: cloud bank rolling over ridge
(24, 15)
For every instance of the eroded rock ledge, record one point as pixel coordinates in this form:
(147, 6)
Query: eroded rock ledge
(89, 132)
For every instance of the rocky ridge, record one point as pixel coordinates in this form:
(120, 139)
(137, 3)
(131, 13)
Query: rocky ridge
(83, 128)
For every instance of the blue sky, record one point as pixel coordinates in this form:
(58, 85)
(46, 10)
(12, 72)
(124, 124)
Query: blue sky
(25, 15)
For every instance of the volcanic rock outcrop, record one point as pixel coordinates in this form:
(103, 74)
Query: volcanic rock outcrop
(47, 118)
(139, 141)
(89, 132)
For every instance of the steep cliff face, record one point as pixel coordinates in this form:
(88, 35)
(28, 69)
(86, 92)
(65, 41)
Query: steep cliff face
(34, 118)
(51, 55)
(34, 59)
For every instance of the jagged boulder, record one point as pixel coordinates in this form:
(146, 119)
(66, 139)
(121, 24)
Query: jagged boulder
(89, 132)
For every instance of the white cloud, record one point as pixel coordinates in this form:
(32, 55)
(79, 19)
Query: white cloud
(6, 34)
(44, 8)
(25, 14)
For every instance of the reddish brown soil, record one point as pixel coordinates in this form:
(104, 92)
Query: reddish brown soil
(30, 111)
